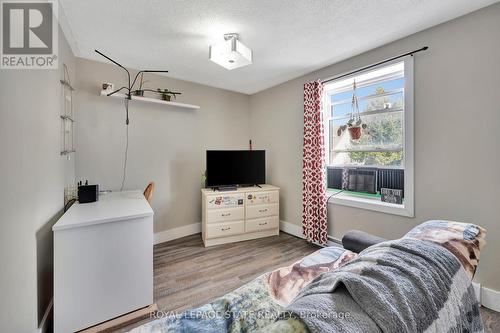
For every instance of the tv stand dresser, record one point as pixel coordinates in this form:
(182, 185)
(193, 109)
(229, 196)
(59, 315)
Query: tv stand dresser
(243, 214)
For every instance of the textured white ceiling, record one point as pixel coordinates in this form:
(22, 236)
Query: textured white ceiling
(289, 38)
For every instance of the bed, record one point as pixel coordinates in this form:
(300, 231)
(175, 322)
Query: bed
(421, 282)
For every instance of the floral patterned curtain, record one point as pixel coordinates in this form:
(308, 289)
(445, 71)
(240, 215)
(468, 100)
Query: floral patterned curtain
(314, 205)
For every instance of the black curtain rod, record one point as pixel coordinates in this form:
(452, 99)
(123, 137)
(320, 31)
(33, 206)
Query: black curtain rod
(377, 64)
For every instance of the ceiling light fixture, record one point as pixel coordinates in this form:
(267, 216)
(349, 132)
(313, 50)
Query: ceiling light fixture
(231, 53)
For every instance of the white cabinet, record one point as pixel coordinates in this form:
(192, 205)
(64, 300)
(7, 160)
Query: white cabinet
(103, 260)
(247, 213)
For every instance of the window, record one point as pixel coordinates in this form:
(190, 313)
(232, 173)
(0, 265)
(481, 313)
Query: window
(382, 156)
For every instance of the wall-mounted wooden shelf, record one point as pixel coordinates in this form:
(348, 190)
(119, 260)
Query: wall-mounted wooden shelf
(154, 100)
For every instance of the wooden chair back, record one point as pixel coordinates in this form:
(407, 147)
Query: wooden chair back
(148, 192)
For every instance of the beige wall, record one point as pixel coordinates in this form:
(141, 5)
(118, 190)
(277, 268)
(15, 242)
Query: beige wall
(33, 177)
(456, 96)
(167, 146)
(457, 89)
(457, 85)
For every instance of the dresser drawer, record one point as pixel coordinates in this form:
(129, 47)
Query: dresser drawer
(215, 230)
(259, 198)
(265, 223)
(225, 214)
(261, 211)
(225, 200)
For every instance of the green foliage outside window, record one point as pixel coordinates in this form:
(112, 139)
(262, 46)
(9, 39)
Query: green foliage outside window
(383, 129)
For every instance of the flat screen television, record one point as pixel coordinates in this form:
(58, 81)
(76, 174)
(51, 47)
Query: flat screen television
(235, 167)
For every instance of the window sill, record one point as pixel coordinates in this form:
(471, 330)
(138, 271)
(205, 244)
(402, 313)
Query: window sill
(368, 203)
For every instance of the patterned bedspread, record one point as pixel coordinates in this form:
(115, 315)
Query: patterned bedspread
(404, 285)
(256, 304)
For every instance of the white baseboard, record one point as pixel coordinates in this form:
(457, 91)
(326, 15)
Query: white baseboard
(487, 297)
(171, 234)
(490, 299)
(191, 229)
(291, 229)
(296, 231)
(44, 323)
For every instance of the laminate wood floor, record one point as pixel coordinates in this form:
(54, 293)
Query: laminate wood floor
(186, 274)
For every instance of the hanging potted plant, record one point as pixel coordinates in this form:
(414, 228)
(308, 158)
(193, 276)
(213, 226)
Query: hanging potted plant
(354, 125)
(354, 128)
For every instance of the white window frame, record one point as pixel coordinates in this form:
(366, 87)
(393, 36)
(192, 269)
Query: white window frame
(407, 208)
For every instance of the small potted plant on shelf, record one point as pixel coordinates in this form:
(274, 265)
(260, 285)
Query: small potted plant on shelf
(140, 91)
(166, 94)
(354, 125)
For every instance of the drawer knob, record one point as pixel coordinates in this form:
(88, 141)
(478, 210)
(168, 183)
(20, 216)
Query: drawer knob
(262, 210)
(225, 229)
(224, 215)
(265, 223)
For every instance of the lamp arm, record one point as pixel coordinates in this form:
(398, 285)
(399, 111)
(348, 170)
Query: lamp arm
(135, 79)
(145, 71)
(119, 65)
(117, 90)
(130, 86)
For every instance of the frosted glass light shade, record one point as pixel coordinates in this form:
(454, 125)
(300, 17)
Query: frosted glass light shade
(230, 54)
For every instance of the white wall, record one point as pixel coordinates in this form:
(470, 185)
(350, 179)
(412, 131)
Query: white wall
(167, 146)
(457, 89)
(33, 177)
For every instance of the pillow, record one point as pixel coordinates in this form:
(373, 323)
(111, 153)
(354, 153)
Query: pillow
(464, 240)
(285, 283)
(357, 241)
